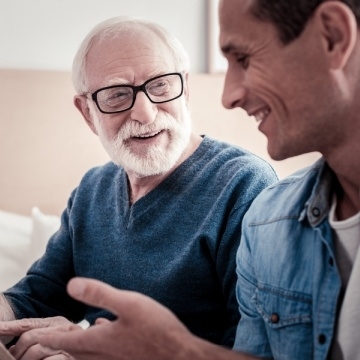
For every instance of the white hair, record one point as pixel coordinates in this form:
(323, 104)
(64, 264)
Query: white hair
(116, 27)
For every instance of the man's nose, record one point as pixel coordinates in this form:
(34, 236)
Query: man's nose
(234, 91)
(143, 111)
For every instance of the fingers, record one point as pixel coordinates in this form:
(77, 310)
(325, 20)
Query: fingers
(127, 337)
(38, 352)
(101, 295)
(99, 321)
(18, 327)
(129, 306)
(93, 292)
(72, 342)
(28, 346)
(55, 357)
(58, 357)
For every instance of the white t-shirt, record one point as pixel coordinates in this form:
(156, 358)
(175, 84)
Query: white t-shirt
(346, 345)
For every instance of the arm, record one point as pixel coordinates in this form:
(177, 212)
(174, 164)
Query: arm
(251, 335)
(6, 314)
(42, 291)
(144, 329)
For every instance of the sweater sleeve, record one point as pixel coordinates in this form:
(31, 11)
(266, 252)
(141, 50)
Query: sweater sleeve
(251, 183)
(42, 292)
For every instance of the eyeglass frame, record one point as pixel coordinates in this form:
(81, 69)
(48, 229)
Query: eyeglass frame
(136, 89)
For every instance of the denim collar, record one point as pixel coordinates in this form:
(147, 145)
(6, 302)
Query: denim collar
(317, 206)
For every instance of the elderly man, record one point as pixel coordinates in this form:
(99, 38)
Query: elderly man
(294, 65)
(164, 217)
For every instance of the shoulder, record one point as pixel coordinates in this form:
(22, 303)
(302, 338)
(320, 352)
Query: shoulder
(231, 171)
(237, 159)
(285, 198)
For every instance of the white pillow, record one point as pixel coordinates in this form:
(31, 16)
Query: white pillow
(15, 234)
(44, 226)
(22, 241)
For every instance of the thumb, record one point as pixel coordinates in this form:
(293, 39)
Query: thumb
(96, 293)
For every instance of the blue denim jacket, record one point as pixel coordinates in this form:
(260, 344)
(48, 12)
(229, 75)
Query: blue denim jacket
(288, 283)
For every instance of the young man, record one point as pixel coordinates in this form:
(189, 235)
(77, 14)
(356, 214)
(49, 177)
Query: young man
(293, 65)
(164, 217)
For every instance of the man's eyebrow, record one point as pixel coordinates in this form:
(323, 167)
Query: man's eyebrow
(116, 81)
(226, 49)
(121, 81)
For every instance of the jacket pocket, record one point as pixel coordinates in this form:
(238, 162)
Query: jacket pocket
(281, 308)
(288, 319)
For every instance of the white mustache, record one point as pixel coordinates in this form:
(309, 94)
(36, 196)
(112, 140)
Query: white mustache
(135, 129)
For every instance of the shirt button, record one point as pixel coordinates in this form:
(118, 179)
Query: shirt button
(315, 211)
(274, 318)
(322, 339)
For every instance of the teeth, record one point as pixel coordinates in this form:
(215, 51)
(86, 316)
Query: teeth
(148, 135)
(261, 115)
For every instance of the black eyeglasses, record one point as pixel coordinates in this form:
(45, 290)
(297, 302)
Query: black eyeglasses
(119, 98)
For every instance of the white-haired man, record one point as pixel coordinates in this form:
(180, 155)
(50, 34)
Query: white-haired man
(164, 216)
(294, 65)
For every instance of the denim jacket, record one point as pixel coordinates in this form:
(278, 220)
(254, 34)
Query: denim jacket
(288, 282)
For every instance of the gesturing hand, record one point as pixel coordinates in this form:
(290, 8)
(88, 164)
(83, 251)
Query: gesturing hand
(144, 329)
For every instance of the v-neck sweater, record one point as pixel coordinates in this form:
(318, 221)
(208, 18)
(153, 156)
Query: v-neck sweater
(177, 244)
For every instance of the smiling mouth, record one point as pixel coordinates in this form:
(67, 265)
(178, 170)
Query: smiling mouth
(147, 135)
(261, 115)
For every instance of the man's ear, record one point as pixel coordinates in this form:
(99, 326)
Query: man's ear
(81, 104)
(339, 31)
(186, 87)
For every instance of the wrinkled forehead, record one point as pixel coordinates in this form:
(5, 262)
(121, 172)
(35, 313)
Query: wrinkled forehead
(129, 40)
(136, 54)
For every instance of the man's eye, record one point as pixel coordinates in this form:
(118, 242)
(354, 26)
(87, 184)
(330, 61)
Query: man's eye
(158, 84)
(243, 61)
(158, 88)
(118, 95)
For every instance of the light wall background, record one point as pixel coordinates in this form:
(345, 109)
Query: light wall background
(45, 146)
(45, 34)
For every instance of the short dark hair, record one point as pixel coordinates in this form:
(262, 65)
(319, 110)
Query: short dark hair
(290, 16)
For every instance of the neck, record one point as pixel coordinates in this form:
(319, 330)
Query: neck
(348, 199)
(346, 166)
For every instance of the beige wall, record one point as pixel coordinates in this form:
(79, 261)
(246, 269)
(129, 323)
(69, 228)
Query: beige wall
(45, 146)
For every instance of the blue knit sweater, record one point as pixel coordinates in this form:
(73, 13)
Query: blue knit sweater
(177, 244)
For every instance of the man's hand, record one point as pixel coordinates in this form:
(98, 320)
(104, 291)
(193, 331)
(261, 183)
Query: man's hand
(143, 330)
(30, 331)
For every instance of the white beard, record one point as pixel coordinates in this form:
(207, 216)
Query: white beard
(157, 159)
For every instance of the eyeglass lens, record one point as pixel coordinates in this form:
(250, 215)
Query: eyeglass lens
(119, 98)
